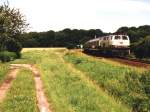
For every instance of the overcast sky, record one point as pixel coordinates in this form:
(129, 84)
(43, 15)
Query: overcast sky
(107, 15)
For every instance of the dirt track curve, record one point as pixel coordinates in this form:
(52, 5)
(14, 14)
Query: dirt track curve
(7, 83)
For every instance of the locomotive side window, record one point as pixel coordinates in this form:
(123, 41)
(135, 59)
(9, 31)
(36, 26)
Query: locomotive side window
(111, 38)
(107, 38)
(117, 37)
(124, 38)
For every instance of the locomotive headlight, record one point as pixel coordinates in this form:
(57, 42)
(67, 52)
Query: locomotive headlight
(113, 46)
(121, 42)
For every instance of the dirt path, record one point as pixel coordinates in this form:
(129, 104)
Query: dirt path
(42, 102)
(7, 83)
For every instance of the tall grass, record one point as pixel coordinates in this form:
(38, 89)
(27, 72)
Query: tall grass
(3, 72)
(67, 90)
(124, 83)
(21, 97)
(30, 57)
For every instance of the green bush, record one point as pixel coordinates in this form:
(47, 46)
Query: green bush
(6, 56)
(18, 54)
(13, 46)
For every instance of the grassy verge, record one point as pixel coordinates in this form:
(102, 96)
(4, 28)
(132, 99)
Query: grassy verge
(124, 83)
(21, 97)
(67, 90)
(28, 58)
(3, 72)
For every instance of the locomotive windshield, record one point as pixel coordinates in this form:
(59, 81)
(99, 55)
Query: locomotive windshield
(121, 37)
(117, 37)
(124, 38)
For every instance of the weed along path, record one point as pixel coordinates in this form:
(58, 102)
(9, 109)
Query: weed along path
(7, 83)
(42, 102)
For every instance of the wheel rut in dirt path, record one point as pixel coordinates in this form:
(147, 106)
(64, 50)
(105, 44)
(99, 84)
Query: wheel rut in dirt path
(42, 102)
(7, 83)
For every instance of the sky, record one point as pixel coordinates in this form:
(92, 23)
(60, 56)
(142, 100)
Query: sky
(107, 15)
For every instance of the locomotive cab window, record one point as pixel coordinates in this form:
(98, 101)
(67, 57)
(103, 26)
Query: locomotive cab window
(117, 37)
(124, 38)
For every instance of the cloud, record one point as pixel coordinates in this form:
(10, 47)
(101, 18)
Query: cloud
(107, 15)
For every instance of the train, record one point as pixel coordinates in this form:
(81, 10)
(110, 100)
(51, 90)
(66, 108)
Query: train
(112, 44)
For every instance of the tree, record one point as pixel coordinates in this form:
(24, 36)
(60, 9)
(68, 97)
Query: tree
(12, 25)
(46, 39)
(134, 33)
(142, 49)
(64, 38)
(123, 30)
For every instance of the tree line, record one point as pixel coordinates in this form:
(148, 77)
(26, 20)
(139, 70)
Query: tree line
(71, 38)
(65, 38)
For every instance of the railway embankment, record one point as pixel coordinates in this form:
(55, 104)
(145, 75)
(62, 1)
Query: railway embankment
(124, 60)
(127, 84)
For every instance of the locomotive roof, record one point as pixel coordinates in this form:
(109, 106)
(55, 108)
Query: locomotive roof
(95, 39)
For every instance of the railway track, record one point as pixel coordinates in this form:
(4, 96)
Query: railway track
(132, 62)
(124, 60)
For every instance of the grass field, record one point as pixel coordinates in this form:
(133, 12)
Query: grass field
(79, 83)
(21, 97)
(126, 84)
(41, 49)
(3, 72)
(67, 89)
